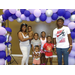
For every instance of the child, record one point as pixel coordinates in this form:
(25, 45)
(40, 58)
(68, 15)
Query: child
(36, 56)
(30, 32)
(35, 41)
(43, 41)
(48, 49)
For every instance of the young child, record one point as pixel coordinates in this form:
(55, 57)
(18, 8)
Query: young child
(35, 41)
(48, 46)
(30, 32)
(43, 41)
(36, 56)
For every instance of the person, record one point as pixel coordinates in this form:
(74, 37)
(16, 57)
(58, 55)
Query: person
(35, 41)
(24, 43)
(62, 41)
(43, 41)
(48, 46)
(36, 55)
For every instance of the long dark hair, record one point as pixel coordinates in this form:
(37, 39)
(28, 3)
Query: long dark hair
(23, 24)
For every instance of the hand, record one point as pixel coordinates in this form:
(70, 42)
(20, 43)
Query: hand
(55, 51)
(69, 50)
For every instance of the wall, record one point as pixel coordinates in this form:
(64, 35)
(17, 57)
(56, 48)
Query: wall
(37, 27)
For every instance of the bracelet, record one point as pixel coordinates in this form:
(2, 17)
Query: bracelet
(70, 45)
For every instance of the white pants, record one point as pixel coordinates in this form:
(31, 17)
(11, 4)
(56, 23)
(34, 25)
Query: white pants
(25, 51)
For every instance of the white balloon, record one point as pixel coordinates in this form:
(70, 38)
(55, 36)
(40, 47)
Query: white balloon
(72, 18)
(19, 20)
(37, 19)
(49, 12)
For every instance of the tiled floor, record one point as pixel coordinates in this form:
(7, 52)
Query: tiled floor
(18, 59)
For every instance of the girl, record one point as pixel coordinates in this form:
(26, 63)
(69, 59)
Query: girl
(48, 49)
(43, 41)
(24, 43)
(36, 56)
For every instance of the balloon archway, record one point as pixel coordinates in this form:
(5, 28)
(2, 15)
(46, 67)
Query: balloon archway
(38, 15)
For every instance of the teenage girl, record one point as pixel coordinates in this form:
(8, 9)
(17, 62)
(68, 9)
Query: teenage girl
(43, 41)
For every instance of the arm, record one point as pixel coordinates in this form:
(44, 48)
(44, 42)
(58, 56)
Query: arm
(32, 48)
(21, 37)
(70, 42)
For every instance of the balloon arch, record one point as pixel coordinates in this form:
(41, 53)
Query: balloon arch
(37, 15)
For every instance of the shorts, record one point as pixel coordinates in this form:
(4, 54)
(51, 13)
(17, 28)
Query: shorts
(36, 61)
(48, 56)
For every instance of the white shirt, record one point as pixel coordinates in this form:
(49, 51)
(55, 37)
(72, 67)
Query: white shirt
(25, 42)
(61, 36)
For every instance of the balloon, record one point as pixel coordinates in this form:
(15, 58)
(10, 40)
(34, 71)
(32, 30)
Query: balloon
(22, 11)
(19, 20)
(74, 30)
(43, 17)
(2, 31)
(27, 13)
(66, 22)
(54, 10)
(12, 11)
(67, 15)
(14, 16)
(2, 38)
(2, 46)
(18, 13)
(8, 29)
(37, 19)
(71, 25)
(8, 58)
(31, 11)
(73, 13)
(2, 61)
(71, 61)
(49, 13)
(72, 53)
(10, 38)
(73, 35)
(7, 13)
(43, 10)
(72, 18)
(48, 20)
(73, 46)
(23, 17)
(32, 17)
(54, 16)
(27, 19)
(2, 54)
(4, 10)
(61, 12)
(7, 44)
(71, 10)
(10, 19)
(37, 12)
(4, 17)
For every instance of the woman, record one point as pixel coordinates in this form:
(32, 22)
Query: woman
(24, 43)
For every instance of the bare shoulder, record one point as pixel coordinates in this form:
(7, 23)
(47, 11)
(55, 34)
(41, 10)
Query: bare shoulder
(19, 33)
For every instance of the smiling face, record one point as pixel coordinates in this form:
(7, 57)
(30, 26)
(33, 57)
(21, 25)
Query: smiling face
(35, 36)
(24, 28)
(36, 49)
(29, 29)
(49, 39)
(43, 34)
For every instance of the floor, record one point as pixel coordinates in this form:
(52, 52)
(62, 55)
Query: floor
(18, 59)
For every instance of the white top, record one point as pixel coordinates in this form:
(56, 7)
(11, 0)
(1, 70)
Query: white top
(42, 42)
(25, 42)
(61, 36)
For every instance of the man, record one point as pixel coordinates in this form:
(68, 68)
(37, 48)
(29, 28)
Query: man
(62, 41)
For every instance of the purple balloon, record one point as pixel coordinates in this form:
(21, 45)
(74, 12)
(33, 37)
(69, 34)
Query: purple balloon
(2, 62)
(18, 13)
(12, 11)
(2, 46)
(66, 22)
(23, 17)
(4, 10)
(49, 19)
(31, 10)
(72, 53)
(43, 10)
(73, 44)
(37, 12)
(27, 19)
(2, 31)
(71, 25)
(10, 38)
(54, 10)
(10, 19)
(71, 60)
(71, 10)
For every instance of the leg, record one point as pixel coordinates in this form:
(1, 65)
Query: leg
(43, 58)
(24, 52)
(28, 50)
(65, 55)
(51, 60)
(46, 60)
(38, 62)
(59, 55)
